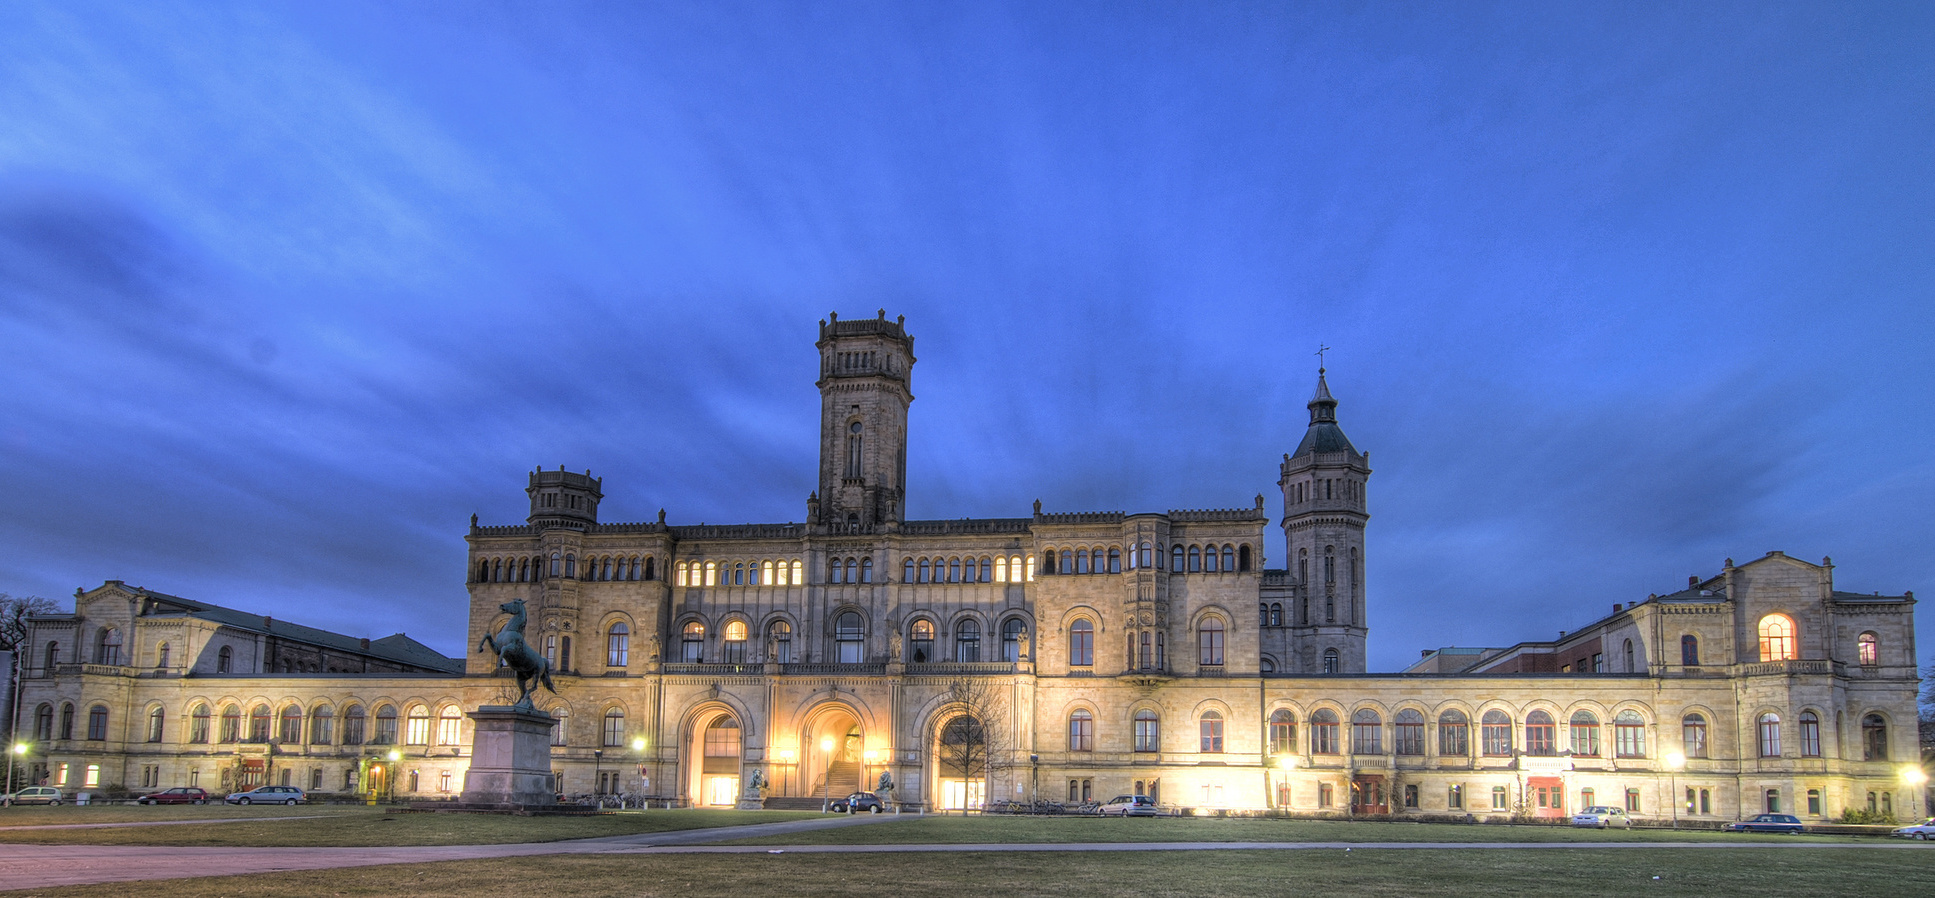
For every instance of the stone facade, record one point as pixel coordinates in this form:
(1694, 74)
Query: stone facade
(1102, 653)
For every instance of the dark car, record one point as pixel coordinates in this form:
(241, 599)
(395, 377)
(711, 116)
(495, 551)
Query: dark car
(177, 795)
(857, 802)
(1769, 823)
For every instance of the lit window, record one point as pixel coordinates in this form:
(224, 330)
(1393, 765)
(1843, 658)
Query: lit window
(417, 728)
(692, 642)
(1777, 638)
(921, 647)
(735, 642)
(1869, 648)
(450, 725)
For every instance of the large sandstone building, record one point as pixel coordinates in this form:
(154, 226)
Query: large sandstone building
(1053, 655)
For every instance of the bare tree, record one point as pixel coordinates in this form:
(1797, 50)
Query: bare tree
(977, 741)
(14, 611)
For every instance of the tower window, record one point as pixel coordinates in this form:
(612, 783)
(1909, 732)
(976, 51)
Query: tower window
(853, 449)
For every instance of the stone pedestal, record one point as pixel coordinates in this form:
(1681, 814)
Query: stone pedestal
(510, 759)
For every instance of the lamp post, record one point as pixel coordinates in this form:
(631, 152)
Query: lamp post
(1285, 763)
(1916, 778)
(826, 797)
(872, 757)
(598, 773)
(787, 758)
(395, 756)
(1674, 762)
(19, 751)
(638, 751)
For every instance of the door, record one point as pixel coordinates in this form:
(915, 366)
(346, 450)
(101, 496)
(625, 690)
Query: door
(1367, 795)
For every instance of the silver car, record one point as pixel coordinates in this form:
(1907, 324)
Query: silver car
(267, 795)
(1601, 817)
(1922, 831)
(36, 795)
(1129, 806)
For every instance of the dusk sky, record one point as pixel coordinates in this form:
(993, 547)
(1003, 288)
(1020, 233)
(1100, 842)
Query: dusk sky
(1615, 290)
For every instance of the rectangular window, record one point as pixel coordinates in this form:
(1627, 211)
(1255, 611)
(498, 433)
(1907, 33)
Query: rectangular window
(93, 776)
(417, 730)
(1212, 728)
(1145, 734)
(1498, 798)
(1323, 795)
(1706, 801)
(1586, 797)
(1498, 739)
(1813, 801)
(1455, 797)
(1410, 796)
(1811, 737)
(1632, 800)
(1410, 738)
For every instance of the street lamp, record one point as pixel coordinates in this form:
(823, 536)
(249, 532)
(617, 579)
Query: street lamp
(598, 773)
(19, 751)
(1915, 777)
(1285, 763)
(826, 796)
(786, 756)
(1674, 762)
(395, 756)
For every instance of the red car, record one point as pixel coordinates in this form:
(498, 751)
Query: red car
(178, 795)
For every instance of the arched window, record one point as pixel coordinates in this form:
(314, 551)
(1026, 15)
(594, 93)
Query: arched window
(1081, 643)
(692, 642)
(557, 563)
(920, 645)
(1283, 732)
(224, 659)
(614, 728)
(1195, 559)
(1115, 560)
(290, 732)
(560, 726)
(156, 717)
(53, 656)
(1263, 614)
(1810, 735)
(97, 719)
(1454, 733)
(1229, 557)
(1148, 731)
(618, 645)
(259, 718)
(1629, 734)
(1366, 733)
(353, 721)
(1874, 738)
(1541, 735)
(67, 720)
(1770, 735)
(1585, 734)
(1176, 558)
(853, 449)
(1629, 657)
(1081, 731)
(1868, 649)
(853, 571)
(417, 726)
(848, 634)
(1076, 563)
(907, 570)
(385, 733)
(1408, 732)
(866, 570)
(161, 657)
(967, 641)
(197, 723)
(1690, 650)
(1323, 733)
(924, 570)
(735, 642)
(1276, 614)
(1209, 559)
(1495, 734)
(1142, 554)
(108, 651)
(1095, 562)
(1693, 736)
(1777, 637)
(1211, 730)
(450, 726)
(834, 570)
(1209, 642)
(1330, 661)
(780, 636)
(1243, 557)
(651, 567)
(1011, 630)
(322, 725)
(571, 565)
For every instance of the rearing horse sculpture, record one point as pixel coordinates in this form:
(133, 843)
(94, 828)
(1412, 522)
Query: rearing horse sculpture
(513, 652)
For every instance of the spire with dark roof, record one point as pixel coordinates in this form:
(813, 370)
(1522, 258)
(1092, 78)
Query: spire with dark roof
(1324, 434)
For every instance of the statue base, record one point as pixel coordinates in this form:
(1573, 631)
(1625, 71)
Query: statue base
(510, 759)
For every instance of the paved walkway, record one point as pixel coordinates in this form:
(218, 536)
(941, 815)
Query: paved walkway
(42, 866)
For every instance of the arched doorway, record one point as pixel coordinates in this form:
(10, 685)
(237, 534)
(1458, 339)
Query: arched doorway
(832, 754)
(717, 744)
(961, 763)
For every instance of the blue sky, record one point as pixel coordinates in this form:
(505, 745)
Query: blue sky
(1615, 291)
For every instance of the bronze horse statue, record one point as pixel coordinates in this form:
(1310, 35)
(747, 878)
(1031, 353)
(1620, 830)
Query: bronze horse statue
(513, 652)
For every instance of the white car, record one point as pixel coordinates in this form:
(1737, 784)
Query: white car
(1601, 817)
(268, 795)
(1923, 830)
(1129, 806)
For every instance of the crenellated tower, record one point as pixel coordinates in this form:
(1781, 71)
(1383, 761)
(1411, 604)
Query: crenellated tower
(1325, 508)
(865, 386)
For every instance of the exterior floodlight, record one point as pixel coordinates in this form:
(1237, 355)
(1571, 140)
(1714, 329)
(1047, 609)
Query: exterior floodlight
(1676, 760)
(638, 744)
(1913, 775)
(1287, 762)
(395, 755)
(826, 744)
(20, 748)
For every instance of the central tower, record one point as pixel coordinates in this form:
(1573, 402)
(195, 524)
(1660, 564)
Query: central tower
(866, 369)
(1325, 507)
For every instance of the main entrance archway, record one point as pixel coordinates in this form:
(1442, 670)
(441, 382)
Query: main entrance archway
(717, 743)
(832, 755)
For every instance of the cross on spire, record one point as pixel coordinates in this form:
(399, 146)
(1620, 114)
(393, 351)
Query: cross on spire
(1321, 349)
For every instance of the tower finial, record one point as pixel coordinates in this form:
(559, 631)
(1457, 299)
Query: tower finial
(1321, 349)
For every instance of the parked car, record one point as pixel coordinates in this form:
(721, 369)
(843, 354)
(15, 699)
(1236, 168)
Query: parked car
(35, 795)
(177, 795)
(1129, 806)
(1769, 823)
(1602, 817)
(267, 795)
(1922, 830)
(857, 802)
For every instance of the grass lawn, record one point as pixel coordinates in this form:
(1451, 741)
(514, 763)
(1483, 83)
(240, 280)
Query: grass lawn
(938, 829)
(354, 826)
(1694, 873)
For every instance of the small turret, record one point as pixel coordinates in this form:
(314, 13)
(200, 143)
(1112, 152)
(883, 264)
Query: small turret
(563, 499)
